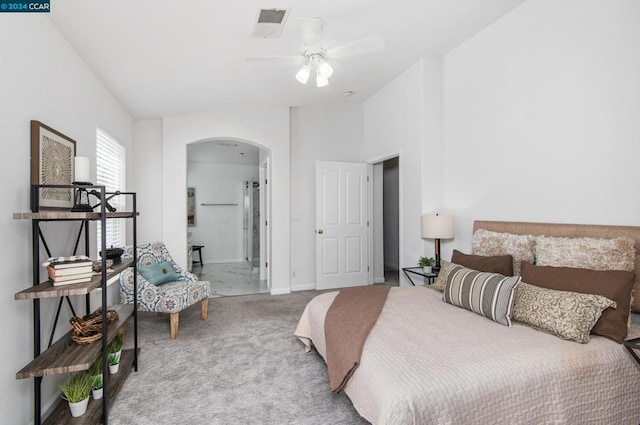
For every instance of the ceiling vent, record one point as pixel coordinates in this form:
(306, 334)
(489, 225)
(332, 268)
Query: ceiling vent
(269, 23)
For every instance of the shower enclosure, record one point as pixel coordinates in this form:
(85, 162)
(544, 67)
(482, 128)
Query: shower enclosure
(251, 224)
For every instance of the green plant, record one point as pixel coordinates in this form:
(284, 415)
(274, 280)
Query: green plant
(76, 387)
(97, 382)
(96, 367)
(116, 344)
(113, 359)
(426, 262)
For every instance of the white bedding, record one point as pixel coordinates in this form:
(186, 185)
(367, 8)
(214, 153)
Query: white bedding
(427, 362)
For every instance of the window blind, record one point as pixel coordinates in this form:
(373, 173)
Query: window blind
(110, 172)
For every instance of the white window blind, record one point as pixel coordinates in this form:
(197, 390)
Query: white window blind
(110, 167)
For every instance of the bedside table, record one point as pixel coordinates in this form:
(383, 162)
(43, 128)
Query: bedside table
(631, 345)
(417, 273)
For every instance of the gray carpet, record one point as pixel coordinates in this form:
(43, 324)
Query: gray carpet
(241, 366)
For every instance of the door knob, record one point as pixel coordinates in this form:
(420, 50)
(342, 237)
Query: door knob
(319, 231)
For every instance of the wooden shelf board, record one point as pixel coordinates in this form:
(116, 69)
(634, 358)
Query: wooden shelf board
(61, 413)
(68, 215)
(47, 290)
(66, 356)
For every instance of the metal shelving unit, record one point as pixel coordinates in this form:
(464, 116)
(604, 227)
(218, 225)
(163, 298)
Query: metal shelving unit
(64, 355)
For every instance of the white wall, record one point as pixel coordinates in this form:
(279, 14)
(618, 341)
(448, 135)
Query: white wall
(266, 127)
(318, 133)
(395, 123)
(219, 227)
(43, 79)
(147, 178)
(541, 117)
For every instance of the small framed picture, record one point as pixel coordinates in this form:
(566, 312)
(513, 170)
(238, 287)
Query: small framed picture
(52, 155)
(191, 206)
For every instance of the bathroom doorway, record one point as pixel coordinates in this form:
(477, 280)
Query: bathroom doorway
(224, 176)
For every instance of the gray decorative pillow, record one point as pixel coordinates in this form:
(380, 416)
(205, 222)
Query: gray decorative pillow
(568, 315)
(520, 247)
(441, 280)
(487, 294)
(586, 253)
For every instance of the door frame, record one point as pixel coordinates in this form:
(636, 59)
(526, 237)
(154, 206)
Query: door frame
(370, 163)
(265, 220)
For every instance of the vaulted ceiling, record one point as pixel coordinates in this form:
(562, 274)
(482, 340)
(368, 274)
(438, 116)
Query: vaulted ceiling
(163, 58)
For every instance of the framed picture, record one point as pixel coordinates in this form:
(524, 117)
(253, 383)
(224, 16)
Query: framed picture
(191, 206)
(52, 155)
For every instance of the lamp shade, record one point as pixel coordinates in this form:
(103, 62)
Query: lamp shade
(438, 227)
(303, 74)
(321, 81)
(325, 70)
(81, 169)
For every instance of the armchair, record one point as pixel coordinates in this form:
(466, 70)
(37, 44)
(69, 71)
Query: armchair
(171, 297)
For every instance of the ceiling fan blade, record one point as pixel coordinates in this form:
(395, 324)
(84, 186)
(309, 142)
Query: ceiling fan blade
(275, 58)
(359, 47)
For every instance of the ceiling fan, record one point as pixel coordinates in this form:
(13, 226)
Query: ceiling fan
(316, 54)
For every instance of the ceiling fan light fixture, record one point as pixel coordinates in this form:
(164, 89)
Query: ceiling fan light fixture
(325, 70)
(320, 80)
(303, 74)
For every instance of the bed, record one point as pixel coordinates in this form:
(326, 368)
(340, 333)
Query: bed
(429, 362)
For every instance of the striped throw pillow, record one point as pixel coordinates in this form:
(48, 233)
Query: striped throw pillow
(488, 294)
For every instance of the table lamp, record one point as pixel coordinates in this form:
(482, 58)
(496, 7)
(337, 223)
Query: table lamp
(438, 227)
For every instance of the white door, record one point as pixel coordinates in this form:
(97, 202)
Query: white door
(341, 224)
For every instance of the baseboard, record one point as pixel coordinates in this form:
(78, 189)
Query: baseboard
(280, 291)
(230, 260)
(49, 406)
(379, 280)
(304, 287)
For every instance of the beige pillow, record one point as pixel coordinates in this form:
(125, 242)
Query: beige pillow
(520, 247)
(568, 315)
(441, 280)
(586, 253)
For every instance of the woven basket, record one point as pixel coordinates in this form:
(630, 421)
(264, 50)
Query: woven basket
(88, 329)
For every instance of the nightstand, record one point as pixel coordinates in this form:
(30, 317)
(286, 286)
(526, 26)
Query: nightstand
(632, 345)
(419, 275)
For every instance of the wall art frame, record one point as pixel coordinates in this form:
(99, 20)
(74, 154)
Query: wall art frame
(52, 161)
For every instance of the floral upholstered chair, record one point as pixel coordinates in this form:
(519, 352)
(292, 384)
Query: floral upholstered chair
(163, 286)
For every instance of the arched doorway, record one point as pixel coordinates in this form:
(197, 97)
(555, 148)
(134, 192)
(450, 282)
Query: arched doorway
(227, 223)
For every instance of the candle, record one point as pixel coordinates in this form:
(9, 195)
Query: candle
(81, 172)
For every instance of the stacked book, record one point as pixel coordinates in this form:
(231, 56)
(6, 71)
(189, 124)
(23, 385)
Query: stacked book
(68, 270)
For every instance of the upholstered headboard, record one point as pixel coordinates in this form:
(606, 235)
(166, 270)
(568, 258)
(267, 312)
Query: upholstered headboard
(572, 231)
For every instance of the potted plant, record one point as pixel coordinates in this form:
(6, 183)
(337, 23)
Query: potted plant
(97, 389)
(96, 369)
(115, 347)
(114, 363)
(76, 389)
(427, 264)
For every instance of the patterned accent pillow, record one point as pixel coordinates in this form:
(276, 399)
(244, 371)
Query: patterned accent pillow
(615, 285)
(568, 315)
(520, 247)
(586, 253)
(441, 280)
(487, 294)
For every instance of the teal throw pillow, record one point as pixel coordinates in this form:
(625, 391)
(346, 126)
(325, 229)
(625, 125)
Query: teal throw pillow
(159, 273)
